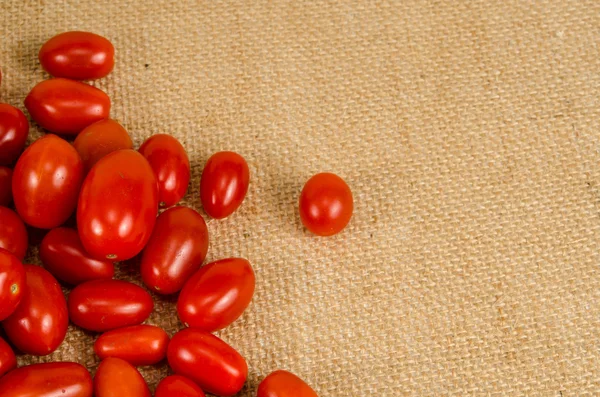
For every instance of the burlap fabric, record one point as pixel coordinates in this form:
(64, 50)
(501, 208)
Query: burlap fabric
(468, 131)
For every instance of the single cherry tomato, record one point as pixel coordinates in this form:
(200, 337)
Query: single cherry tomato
(118, 204)
(204, 358)
(5, 186)
(284, 384)
(8, 361)
(12, 283)
(177, 385)
(14, 129)
(224, 184)
(171, 166)
(39, 324)
(63, 255)
(102, 305)
(66, 106)
(99, 139)
(78, 56)
(13, 234)
(217, 294)
(137, 344)
(326, 204)
(178, 246)
(118, 378)
(64, 379)
(46, 182)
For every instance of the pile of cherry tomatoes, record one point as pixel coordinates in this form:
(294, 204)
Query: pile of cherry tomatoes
(115, 193)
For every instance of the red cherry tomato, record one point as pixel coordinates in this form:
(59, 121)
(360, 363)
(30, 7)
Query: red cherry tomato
(217, 294)
(137, 344)
(117, 225)
(118, 378)
(65, 106)
(12, 283)
(284, 384)
(175, 251)
(177, 385)
(63, 255)
(5, 186)
(46, 182)
(326, 204)
(204, 358)
(99, 139)
(8, 361)
(224, 184)
(171, 166)
(13, 234)
(78, 56)
(62, 379)
(39, 324)
(14, 129)
(102, 305)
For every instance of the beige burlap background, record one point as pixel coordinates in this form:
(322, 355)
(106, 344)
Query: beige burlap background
(468, 131)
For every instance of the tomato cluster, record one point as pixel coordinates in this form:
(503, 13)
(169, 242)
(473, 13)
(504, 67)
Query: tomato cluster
(116, 193)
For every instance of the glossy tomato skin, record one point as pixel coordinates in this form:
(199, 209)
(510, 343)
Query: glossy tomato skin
(14, 129)
(102, 305)
(66, 106)
(63, 255)
(78, 56)
(171, 165)
(207, 360)
(137, 344)
(326, 204)
(46, 182)
(12, 283)
(177, 385)
(39, 324)
(284, 384)
(118, 378)
(8, 360)
(13, 234)
(64, 379)
(224, 184)
(5, 186)
(99, 139)
(178, 246)
(117, 225)
(217, 294)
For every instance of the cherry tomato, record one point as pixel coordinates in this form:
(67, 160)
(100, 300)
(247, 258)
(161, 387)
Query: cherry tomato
(14, 129)
(39, 324)
(118, 378)
(99, 139)
(5, 186)
(13, 234)
(12, 283)
(8, 361)
(63, 255)
(217, 294)
(117, 225)
(224, 184)
(171, 166)
(204, 358)
(65, 106)
(137, 344)
(102, 305)
(46, 182)
(175, 251)
(177, 385)
(64, 379)
(326, 204)
(78, 56)
(284, 384)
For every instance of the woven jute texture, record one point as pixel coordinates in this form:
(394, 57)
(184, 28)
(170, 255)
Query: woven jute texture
(469, 132)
